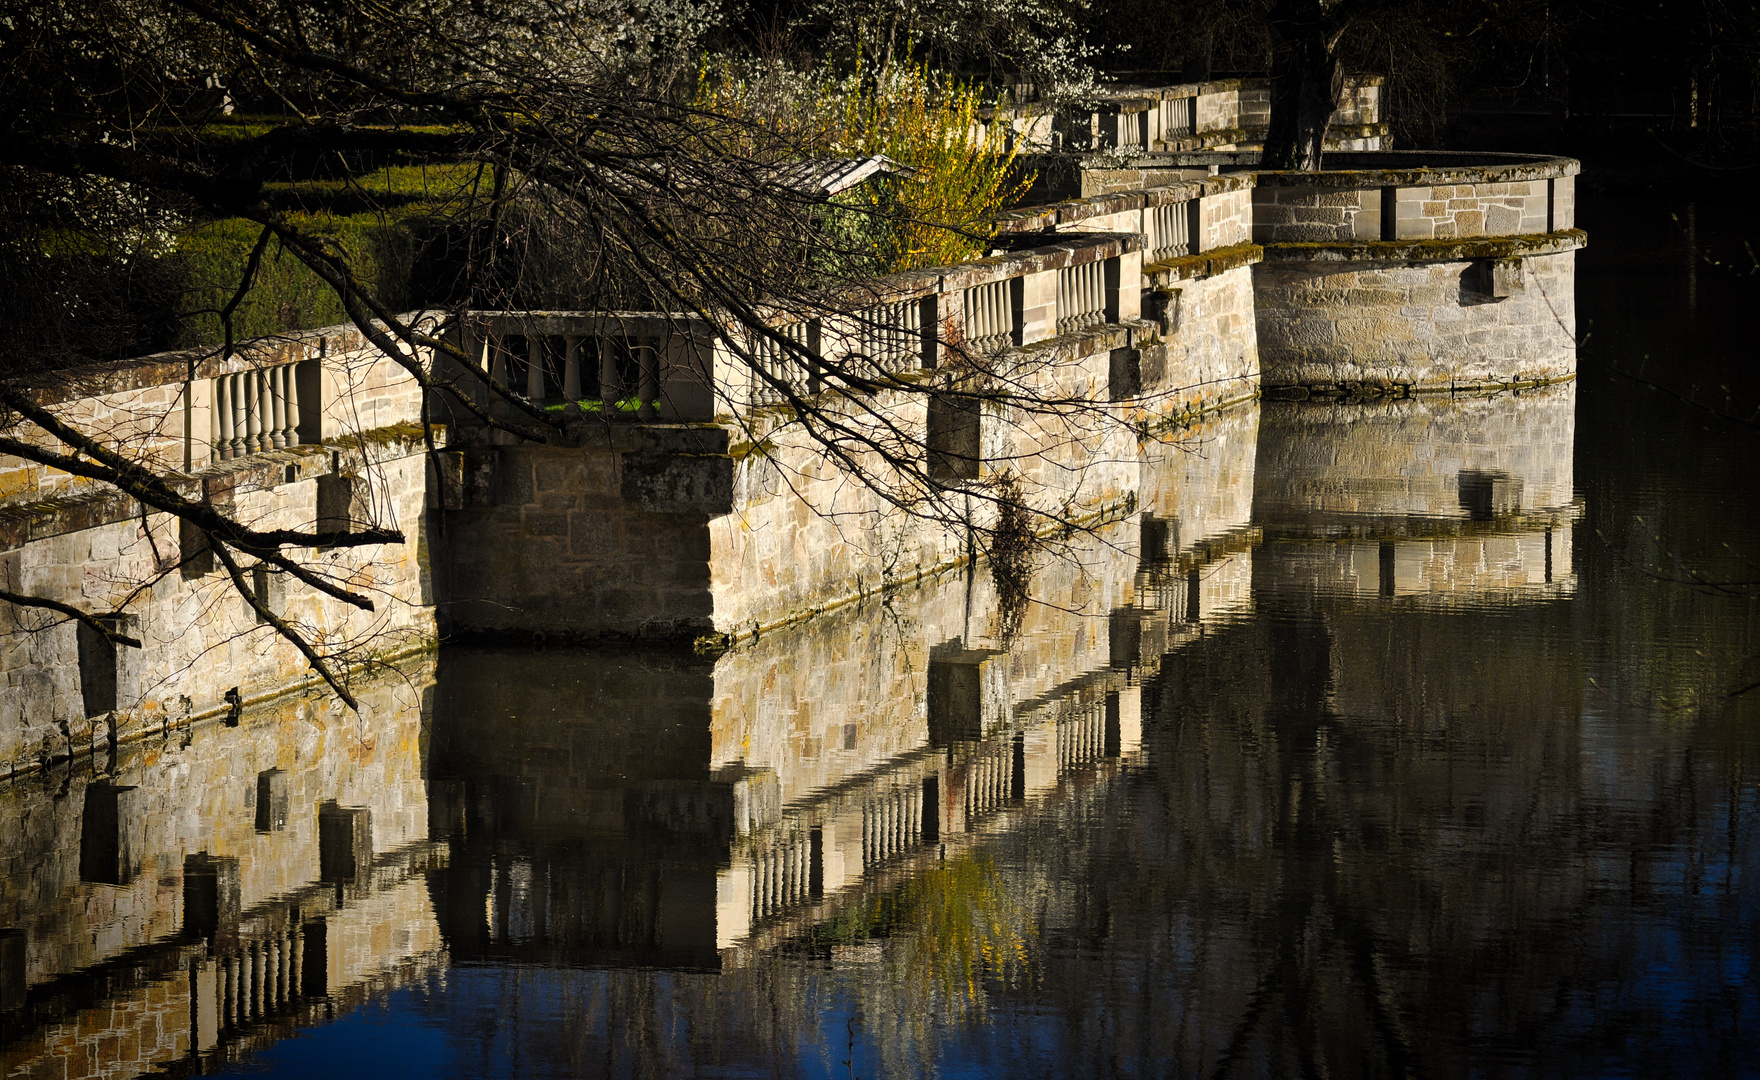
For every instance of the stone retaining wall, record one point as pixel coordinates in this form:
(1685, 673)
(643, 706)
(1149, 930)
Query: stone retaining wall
(200, 639)
(195, 790)
(605, 538)
(1463, 499)
(1414, 322)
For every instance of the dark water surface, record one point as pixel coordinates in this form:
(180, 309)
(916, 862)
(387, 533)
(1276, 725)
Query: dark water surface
(1401, 740)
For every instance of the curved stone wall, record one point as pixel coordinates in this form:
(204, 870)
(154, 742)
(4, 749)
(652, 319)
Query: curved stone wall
(1398, 319)
(1409, 272)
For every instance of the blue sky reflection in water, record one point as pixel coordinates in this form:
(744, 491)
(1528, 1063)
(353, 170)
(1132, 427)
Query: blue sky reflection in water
(1447, 792)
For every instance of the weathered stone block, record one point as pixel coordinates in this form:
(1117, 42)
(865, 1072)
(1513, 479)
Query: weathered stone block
(13, 976)
(1486, 495)
(271, 800)
(345, 843)
(211, 899)
(1502, 220)
(541, 524)
(679, 483)
(1506, 277)
(112, 838)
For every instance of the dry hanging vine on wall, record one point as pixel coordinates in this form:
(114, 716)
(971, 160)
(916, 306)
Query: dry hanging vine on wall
(1011, 556)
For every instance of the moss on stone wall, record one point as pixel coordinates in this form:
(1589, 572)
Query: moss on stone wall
(1452, 249)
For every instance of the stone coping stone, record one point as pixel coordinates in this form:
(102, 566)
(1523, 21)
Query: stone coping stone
(1458, 249)
(1171, 92)
(1347, 168)
(588, 323)
(1043, 218)
(1205, 264)
(57, 515)
(1071, 249)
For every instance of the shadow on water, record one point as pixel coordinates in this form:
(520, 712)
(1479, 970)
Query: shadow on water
(1386, 740)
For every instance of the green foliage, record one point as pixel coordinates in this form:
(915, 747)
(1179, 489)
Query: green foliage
(285, 294)
(379, 221)
(963, 174)
(953, 927)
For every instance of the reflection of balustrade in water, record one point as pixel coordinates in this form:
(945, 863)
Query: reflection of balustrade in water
(783, 871)
(256, 411)
(256, 978)
(891, 824)
(1081, 735)
(989, 778)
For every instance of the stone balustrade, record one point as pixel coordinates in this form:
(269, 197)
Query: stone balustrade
(620, 366)
(185, 412)
(1013, 300)
(1430, 196)
(256, 410)
(1223, 114)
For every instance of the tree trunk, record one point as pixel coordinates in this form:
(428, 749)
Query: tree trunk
(1307, 79)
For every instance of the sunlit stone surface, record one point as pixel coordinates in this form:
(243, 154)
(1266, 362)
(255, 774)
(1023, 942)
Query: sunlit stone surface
(1376, 741)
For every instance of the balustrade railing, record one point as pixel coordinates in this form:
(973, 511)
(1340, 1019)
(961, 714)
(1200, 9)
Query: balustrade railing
(1081, 297)
(891, 823)
(256, 410)
(1170, 230)
(614, 373)
(774, 367)
(889, 338)
(1178, 116)
(989, 316)
(781, 873)
(656, 365)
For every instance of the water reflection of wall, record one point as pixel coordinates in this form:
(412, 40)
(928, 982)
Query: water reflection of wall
(206, 881)
(1390, 842)
(634, 808)
(1454, 497)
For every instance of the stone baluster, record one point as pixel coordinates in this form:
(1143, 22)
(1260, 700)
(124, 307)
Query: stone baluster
(253, 412)
(293, 418)
(235, 398)
(571, 370)
(608, 380)
(277, 408)
(475, 346)
(534, 368)
(497, 362)
(222, 414)
(265, 408)
(648, 363)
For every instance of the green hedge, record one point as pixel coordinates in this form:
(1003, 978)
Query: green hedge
(285, 294)
(379, 219)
